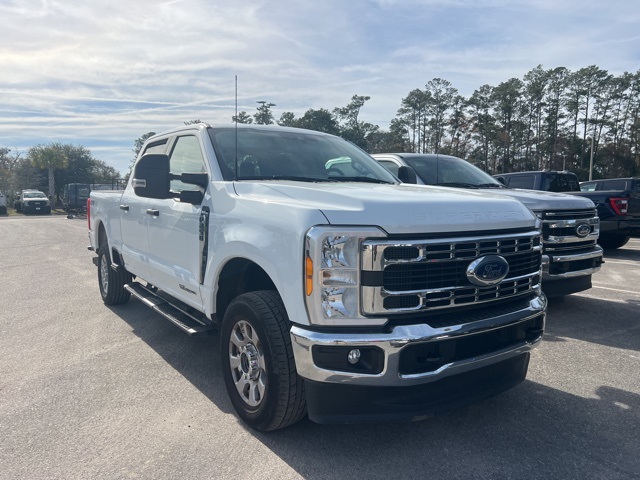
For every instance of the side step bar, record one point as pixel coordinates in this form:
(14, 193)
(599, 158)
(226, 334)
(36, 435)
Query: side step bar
(179, 317)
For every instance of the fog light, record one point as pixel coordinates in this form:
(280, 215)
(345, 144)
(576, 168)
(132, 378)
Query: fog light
(354, 356)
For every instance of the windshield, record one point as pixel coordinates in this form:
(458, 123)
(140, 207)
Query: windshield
(35, 195)
(560, 182)
(272, 154)
(451, 171)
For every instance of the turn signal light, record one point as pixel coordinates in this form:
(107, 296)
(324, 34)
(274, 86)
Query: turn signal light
(308, 275)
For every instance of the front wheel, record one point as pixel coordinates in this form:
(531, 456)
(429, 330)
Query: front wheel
(257, 362)
(111, 281)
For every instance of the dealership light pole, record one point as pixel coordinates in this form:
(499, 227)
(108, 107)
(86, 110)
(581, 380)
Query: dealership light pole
(591, 158)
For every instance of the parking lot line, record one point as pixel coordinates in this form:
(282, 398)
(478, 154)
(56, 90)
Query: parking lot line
(616, 290)
(621, 263)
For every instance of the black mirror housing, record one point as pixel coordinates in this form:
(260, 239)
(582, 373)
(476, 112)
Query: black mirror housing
(194, 197)
(199, 179)
(407, 175)
(151, 177)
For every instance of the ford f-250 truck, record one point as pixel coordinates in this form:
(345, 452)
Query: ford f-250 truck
(347, 297)
(570, 225)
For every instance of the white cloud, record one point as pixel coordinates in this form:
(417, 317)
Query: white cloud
(102, 73)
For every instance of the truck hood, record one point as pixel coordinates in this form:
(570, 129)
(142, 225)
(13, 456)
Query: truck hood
(398, 209)
(538, 200)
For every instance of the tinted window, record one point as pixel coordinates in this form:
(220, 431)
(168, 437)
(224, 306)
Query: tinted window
(156, 147)
(614, 185)
(521, 181)
(445, 170)
(588, 187)
(186, 157)
(560, 183)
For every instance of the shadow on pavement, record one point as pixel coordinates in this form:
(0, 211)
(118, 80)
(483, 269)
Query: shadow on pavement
(532, 431)
(606, 322)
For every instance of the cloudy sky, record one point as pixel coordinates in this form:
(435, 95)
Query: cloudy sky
(101, 73)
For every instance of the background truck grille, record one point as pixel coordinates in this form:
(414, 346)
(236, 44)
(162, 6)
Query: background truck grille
(430, 274)
(559, 231)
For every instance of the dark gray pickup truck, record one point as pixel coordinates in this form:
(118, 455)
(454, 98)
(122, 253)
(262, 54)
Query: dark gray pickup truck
(570, 226)
(618, 204)
(617, 199)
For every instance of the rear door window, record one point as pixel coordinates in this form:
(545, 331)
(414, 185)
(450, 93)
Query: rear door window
(521, 181)
(614, 185)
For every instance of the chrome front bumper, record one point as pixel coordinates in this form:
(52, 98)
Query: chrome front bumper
(393, 342)
(548, 260)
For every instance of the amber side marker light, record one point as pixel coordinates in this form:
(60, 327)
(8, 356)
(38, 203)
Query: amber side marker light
(308, 275)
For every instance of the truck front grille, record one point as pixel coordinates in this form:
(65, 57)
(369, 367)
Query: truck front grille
(405, 276)
(560, 231)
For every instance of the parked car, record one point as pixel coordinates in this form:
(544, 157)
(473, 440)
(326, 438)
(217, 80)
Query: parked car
(548, 180)
(618, 203)
(570, 225)
(3, 204)
(34, 201)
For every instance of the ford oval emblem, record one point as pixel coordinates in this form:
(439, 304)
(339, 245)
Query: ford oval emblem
(487, 270)
(583, 230)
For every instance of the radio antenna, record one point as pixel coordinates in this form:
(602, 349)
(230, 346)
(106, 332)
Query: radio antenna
(236, 132)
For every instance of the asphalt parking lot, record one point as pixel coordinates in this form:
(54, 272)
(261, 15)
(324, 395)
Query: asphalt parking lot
(90, 392)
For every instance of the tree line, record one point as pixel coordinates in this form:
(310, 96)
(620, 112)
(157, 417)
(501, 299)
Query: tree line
(551, 119)
(49, 167)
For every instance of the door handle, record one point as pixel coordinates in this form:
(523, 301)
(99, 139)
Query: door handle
(124, 207)
(153, 212)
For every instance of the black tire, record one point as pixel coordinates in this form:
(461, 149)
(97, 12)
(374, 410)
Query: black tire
(110, 281)
(257, 362)
(611, 241)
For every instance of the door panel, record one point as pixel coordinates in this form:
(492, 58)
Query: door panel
(135, 240)
(175, 258)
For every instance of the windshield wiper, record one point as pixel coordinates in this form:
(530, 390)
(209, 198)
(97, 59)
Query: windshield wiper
(491, 185)
(284, 177)
(359, 179)
(457, 184)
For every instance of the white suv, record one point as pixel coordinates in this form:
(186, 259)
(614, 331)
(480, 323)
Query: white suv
(3, 204)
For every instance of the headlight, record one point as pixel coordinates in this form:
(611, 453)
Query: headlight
(332, 275)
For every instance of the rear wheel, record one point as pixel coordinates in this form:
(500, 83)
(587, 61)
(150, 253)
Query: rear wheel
(257, 362)
(111, 281)
(611, 241)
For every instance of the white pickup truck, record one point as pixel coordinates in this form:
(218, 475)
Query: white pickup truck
(337, 291)
(570, 224)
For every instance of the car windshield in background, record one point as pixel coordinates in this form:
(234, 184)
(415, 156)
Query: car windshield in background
(35, 195)
(451, 171)
(560, 182)
(286, 154)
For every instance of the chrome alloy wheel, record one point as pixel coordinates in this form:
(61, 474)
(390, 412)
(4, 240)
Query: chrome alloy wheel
(246, 360)
(104, 273)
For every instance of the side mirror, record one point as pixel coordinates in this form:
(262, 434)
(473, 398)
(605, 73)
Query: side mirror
(502, 180)
(200, 179)
(194, 197)
(151, 177)
(407, 175)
